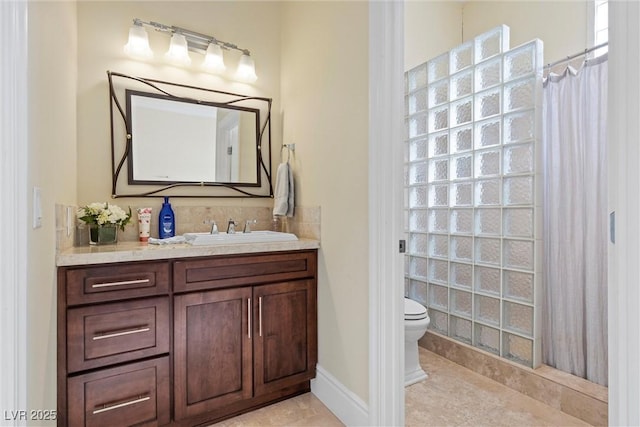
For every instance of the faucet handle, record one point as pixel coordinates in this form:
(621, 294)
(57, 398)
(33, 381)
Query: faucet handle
(214, 226)
(247, 225)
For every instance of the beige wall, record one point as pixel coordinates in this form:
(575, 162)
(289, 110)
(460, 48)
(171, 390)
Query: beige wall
(103, 28)
(325, 113)
(433, 27)
(561, 25)
(430, 28)
(52, 162)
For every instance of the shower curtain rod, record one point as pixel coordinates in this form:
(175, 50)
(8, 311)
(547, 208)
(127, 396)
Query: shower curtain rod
(570, 57)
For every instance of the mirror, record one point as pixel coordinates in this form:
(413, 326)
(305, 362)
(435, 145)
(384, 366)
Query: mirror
(183, 141)
(207, 142)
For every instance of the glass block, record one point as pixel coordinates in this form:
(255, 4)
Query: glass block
(416, 77)
(518, 190)
(418, 244)
(438, 144)
(462, 194)
(518, 159)
(417, 173)
(462, 112)
(488, 74)
(518, 222)
(438, 119)
(488, 103)
(488, 222)
(487, 133)
(520, 61)
(491, 43)
(417, 101)
(486, 338)
(517, 349)
(488, 192)
(518, 254)
(438, 246)
(438, 195)
(418, 220)
(461, 275)
(418, 267)
(438, 220)
(519, 127)
(461, 139)
(438, 170)
(417, 197)
(487, 280)
(487, 163)
(417, 125)
(519, 95)
(418, 149)
(438, 297)
(518, 285)
(438, 271)
(462, 221)
(461, 57)
(487, 309)
(462, 167)
(461, 329)
(462, 248)
(487, 251)
(461, 84)
(517, 318)
(438, 68)
(438, 93)
(461, 303)
(406, 151)
(439, 321)
(418, 291)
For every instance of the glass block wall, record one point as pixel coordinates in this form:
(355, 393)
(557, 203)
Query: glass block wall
(473, 193)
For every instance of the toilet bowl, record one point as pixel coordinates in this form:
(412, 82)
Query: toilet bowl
(416, 321)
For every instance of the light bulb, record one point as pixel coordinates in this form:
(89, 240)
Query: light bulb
(138, 44)
(214, 61)
(178, 52)
(246, 69)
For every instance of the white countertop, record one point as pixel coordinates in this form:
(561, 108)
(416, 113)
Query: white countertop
(136, 251)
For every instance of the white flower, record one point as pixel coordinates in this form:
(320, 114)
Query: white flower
(103, 213)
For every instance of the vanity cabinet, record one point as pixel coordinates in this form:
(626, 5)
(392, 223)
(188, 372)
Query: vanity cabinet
(184, 341)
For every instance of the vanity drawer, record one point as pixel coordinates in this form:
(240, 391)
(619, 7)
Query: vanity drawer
(116, 282)
(134, 394)
(236, 270)
(106, 334)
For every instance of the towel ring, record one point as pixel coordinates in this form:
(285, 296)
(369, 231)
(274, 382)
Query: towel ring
(290, 148)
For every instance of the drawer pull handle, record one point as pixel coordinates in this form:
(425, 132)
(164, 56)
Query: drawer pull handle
(124, 282)
(249, 316)
(260, 315)
(121, 405)
(121, 333)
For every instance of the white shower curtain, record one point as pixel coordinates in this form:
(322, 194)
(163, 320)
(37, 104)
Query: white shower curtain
(574, 310)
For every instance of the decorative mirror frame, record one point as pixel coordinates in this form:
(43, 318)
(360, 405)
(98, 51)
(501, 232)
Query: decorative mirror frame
(234, 190)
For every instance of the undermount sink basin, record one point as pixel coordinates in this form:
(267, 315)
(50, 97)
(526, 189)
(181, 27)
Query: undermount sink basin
(204, 239)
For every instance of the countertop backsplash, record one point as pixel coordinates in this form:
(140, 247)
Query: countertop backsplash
(305, 223)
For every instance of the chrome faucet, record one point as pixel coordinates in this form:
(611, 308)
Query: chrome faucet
(214, 226)
(231, 226)
(247, 225)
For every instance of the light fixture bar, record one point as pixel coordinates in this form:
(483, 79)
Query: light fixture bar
(197, 42)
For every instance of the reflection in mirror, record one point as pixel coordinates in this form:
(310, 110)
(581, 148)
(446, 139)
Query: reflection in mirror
(184, 141)
(189, 141)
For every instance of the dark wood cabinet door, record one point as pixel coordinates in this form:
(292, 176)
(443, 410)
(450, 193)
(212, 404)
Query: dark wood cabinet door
(212, 350)
(285, 330)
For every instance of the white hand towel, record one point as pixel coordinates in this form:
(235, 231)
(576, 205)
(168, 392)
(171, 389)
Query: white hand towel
(283, 202)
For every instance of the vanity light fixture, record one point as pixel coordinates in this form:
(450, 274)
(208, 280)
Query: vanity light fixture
(183, 41)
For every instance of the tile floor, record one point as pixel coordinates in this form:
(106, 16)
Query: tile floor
(451, 396)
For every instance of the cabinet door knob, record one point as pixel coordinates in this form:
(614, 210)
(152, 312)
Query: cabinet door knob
(124, 282)
(121, 405)
(249, 316)
(260, 316)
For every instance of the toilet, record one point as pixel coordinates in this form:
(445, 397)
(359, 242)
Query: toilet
(416, 321)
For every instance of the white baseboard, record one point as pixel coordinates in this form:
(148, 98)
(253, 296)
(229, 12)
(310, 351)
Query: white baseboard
(345, 404)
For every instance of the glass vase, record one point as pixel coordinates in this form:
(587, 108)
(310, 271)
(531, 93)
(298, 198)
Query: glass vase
(106, 234)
